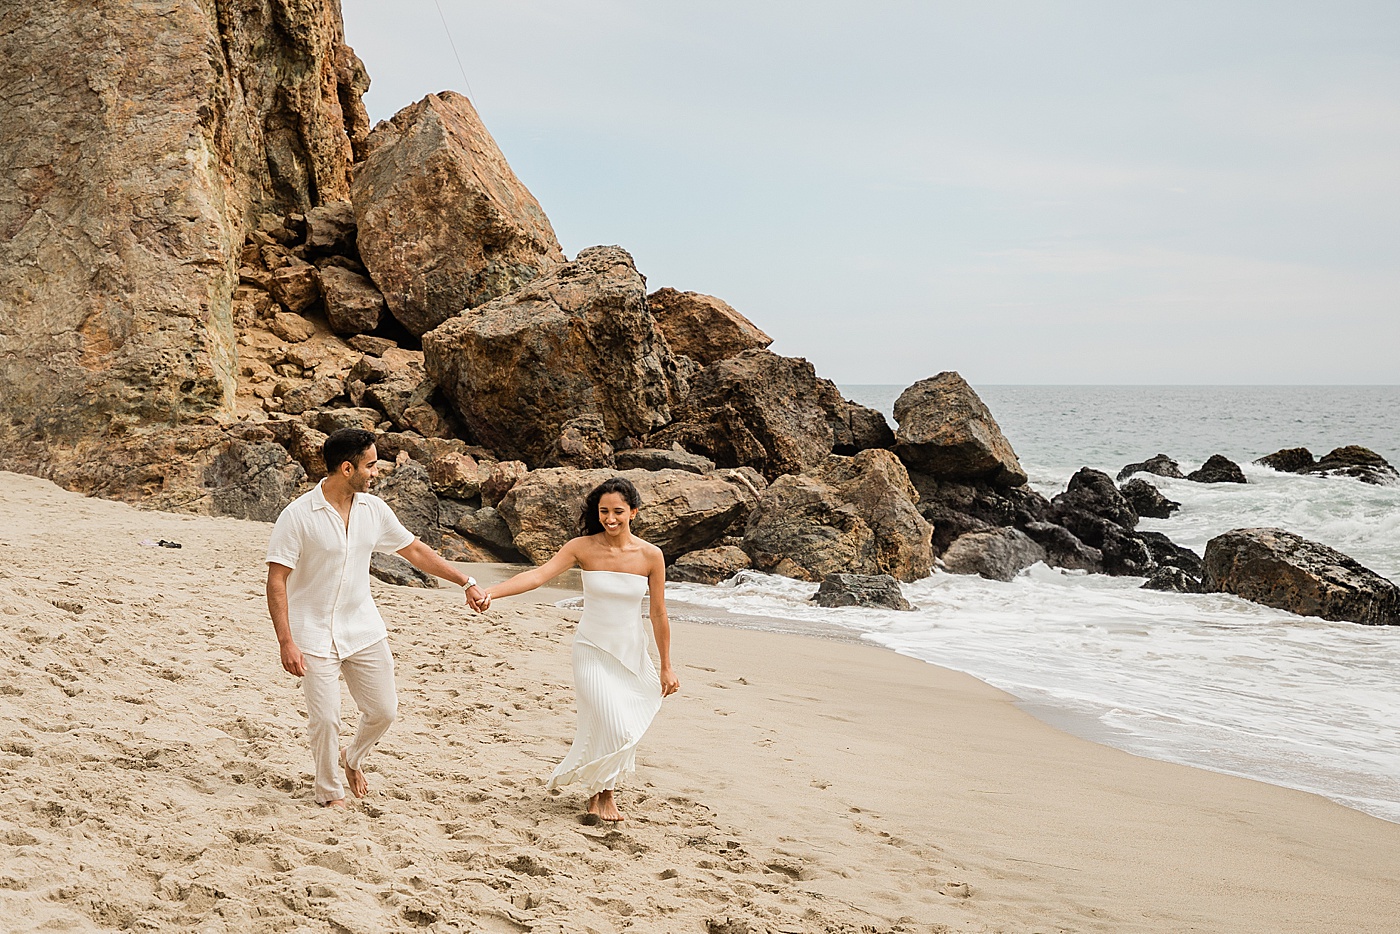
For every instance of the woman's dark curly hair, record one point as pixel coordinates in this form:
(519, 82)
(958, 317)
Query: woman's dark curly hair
(588, 523)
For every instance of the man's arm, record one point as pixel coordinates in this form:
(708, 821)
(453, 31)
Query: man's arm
(430, 562)
(292, 659)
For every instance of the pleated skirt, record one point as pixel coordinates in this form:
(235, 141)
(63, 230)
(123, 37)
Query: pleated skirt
(615, 707)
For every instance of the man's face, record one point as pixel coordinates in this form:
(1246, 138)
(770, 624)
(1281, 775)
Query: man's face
(366, 471)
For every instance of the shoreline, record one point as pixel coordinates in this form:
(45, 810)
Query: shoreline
(156, 776)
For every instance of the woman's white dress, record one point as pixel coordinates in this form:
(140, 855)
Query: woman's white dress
(618, 688)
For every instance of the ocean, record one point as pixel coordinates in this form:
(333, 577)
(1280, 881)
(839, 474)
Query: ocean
(1204, 680)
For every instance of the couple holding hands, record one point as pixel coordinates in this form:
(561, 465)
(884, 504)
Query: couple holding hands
(328, 627)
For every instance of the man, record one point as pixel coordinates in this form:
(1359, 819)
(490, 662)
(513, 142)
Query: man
(326, 622)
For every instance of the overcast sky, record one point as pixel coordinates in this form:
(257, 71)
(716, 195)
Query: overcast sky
(1025, 192)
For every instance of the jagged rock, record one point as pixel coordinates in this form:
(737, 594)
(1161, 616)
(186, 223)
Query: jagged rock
(443, 223)
(353, 304)
(1355, 461)
(392, 444)
(451, 511)
(486, 525)
(253, 481)
(1173, 580)
(1146, 500)
(764, 411)
(582, 444)
(1288, 460)
(662, 459)
(945, 431)
(1168, 553)
(250, 305)
(1218, 469)
(869, 590)
(577, 341)
(393, 569)
(996, 554)
(680, 511)
(312, 396)
(1160, 464)
(709, 566)
(1093, 492)
(296, 286)
(425, 412)
(136, 145)
(330, 228)
(304, 443)
(292, 327)
(854, 514)
(1064, 549)
(409, 492)
(370, 345)
(1288, 572)
(332, 420)
(878, 486)
(956, 507)
(856, 428)
(703, 327)
(456, 475)
(746, 478)
(1097, 514)
(501, 478)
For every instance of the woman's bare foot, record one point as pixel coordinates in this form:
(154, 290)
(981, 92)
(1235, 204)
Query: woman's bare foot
(604, 807)
(358, 786)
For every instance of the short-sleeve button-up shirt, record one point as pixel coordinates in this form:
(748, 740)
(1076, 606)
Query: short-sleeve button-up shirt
(329, 605)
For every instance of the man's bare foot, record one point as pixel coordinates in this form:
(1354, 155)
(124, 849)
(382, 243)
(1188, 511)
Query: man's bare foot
(338, 803)
(603, 807)
(358, 786)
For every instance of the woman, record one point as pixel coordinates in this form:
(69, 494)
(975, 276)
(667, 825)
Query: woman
(619, 690)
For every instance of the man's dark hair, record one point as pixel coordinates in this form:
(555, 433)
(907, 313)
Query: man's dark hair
(346, 444)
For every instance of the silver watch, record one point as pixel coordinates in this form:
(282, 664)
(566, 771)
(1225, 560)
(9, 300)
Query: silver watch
(471, 582)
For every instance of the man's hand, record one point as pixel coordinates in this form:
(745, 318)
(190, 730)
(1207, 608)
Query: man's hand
(292, 659)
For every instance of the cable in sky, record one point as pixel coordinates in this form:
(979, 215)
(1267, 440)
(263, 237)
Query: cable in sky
(460, 67)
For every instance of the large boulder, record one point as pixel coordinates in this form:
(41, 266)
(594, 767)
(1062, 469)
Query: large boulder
(879, 591)
(393, 569)
(662, 459)
(578, 341)
(139, 144)
(1092, 491)
(253, 480)
(956, 507)
(855, 514)
(947, 432)
(996, 554)
(1147, 501)
(409, 492)
(330, 229)
(1097, 514)
(772, 413)
(1217, 469)
(1160, 464)
(1355, 461)
(703, 327)
(1168, 553)
(680, 511)
(443, 223)
(353, 304)
(1286, 571)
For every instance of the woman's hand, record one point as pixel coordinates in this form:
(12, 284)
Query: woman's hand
(669, 683)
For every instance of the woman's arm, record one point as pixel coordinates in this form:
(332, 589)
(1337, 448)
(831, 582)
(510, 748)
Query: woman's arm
(526, 581)
(661, 623)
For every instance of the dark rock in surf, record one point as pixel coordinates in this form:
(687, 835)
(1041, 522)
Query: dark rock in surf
(1355, 461)
(1288, 572)
(1161, 465)
(1093, 492)
(1147, 500)
(868, 590)
(1173, 580)
(709, 566)
(1218, 469)
(1288, 460)
(1168, 553)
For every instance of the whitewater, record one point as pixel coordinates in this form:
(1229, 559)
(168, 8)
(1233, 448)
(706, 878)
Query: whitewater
(1205, 680)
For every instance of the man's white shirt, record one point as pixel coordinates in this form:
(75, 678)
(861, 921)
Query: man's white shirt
(329, 605)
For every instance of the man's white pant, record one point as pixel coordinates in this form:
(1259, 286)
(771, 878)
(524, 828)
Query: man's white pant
(369, 674)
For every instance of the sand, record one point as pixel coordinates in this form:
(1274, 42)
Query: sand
(154, 776)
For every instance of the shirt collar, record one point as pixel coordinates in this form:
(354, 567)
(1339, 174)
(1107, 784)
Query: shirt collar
(319, 501)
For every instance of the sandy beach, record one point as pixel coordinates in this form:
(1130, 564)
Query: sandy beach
(154, 776)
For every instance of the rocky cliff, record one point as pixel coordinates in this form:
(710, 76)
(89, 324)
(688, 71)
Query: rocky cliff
(141, 140)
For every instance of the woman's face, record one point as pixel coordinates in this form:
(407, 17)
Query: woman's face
(614, 513)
